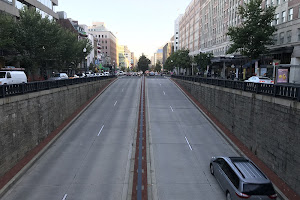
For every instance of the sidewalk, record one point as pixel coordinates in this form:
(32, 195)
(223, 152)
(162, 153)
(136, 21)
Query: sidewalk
(276, 180)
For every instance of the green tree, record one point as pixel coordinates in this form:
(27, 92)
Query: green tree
(143, 63)
(179, 59)
(158, 66)
(7, 38)
(39, 43)
(202, 60)
(254, 34)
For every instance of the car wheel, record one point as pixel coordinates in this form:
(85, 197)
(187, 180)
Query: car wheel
(211, 169)
(228, 196)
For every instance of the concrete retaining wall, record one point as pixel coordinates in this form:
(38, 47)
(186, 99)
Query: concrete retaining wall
(26, 120)
(268, 126)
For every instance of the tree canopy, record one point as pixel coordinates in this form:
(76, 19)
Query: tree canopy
(143, 63)
(254, 34)
(202, 60)
(37, 42)
(178, 59)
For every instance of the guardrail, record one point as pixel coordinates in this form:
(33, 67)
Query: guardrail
(276, 90)
(16, 89)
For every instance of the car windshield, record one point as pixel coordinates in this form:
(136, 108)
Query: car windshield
(258, 189)
(56, 75)
(2, 74)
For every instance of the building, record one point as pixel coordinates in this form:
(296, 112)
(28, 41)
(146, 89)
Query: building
(204, 26)
(168, 49)
(46, 7)
(176, 33)
(108, 42)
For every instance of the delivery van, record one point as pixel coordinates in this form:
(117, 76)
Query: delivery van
(8, 77)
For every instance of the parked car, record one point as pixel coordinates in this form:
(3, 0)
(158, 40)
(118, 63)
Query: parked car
(12, 77)
(80, 75)
(121, 73)
(89, 74)
(106, 74)
(240, 178)
(58, 76)
(128, 73)
(259, 79)
(151, 73)
(134, 74)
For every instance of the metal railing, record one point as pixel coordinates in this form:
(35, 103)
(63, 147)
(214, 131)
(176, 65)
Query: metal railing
(16, 89)
(276, 90)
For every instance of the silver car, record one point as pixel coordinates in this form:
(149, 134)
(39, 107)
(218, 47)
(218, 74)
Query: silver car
(240, 178)
(260, 79)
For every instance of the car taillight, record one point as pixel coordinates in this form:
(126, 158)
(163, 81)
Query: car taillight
(242, 195)
(273, 196)
(261, 81)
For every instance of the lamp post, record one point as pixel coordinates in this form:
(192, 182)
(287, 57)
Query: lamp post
(114, 67)
(84, 64)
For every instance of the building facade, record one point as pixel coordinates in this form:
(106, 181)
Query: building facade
(204, 26)
(107, 40)
(46, 7)
(176, 33)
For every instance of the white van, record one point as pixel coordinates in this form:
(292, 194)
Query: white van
(12, 77)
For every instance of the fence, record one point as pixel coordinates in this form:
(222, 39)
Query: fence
(276, 90)
(15, 89)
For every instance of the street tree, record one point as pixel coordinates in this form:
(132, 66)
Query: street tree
(253, 36)
(157, 67)
(143, 63)
(202, 60)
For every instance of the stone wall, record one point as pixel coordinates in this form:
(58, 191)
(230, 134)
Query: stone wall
(28, 119)
(268, 126)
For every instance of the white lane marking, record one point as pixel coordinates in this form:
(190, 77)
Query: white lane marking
(115, 103)
(122, 89)
(160, 84)
(65, 197)
(101, 130)
(171, 108)
(188, 143)
(164, 93)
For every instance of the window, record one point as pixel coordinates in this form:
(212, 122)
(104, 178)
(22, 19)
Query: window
(289, 36)
(278, 2)
(281, 38)
(291, 14)
(277, 19)
(102, 36)
(231, 174)
(283, 16)
(275, 38)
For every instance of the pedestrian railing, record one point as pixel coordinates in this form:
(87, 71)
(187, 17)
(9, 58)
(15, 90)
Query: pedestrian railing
(16, 89)
(276, 90)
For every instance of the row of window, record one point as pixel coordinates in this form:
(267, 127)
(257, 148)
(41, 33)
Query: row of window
(285, 37)
(283, 18)
(47, 3)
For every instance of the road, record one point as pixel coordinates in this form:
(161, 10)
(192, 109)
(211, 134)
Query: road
(91, 160)
(182, 143)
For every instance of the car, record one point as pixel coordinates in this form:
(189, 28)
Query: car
(58, 76)
(260, 79)
(151, 73)
(134, 74)
(80, 75)
(128, 73)
(240, 178)
(72, 77)
(8, 77)
(106, 74)
(121, 73)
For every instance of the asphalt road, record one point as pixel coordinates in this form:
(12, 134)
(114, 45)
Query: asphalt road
(182, 144)
(91, 159)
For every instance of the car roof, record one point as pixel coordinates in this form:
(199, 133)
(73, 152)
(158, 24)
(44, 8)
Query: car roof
(247, 170)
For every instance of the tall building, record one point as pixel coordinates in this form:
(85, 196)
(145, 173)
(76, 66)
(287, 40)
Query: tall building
(176, 33)
(167, 51)
(107, 40)
(46, 7)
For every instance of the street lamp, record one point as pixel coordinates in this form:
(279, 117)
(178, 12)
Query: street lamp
(84, 64)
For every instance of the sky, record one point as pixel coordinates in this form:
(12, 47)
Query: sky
(142, 25)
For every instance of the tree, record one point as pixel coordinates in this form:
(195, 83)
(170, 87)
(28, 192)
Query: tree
(202, 60)
(143, 63)
(254, 34)
(40, 43)
(158, 66)
(178, 59)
